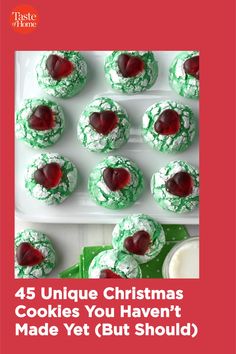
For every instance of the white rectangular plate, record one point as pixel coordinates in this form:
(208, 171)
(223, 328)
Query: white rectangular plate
(79, 208)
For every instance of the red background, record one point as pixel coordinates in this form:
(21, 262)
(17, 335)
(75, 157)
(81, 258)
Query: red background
(207, 26)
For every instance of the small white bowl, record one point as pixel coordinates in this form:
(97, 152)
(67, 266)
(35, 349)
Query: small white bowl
(183, 260)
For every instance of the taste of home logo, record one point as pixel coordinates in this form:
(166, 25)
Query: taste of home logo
(24, 19)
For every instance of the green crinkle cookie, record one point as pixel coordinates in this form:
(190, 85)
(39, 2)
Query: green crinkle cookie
(95, 141)
(177, 142)
(59, 193)
(39, 139)
(118, 262)
(67, 86)
(141, 82)
(122, 198)
(184, 84)
(129, 225)
(39, 241)
(169, 201)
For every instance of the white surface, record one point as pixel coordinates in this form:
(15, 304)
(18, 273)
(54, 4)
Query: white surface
(184, 262)
(68, 240)
(79, 208)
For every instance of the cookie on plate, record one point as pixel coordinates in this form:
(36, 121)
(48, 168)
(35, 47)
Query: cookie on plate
(184, 74)
(114, 264)
(39, 123)
(131, 71)
(103, 125)
(140, 236)
(51, 178)
(62, 73)
(115, 183)
(169, 126)
(176, 187)
(35, 256)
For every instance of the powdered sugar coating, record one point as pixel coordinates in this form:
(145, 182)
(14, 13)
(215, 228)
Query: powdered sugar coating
(129, 225)
(169, 201)
(119, 262)
(169, 143)
(68, 86)
(95, 141)
(103, 196)
(139, 83)
(35, 138)
(41, 242)
(54, 195)
(184, 84)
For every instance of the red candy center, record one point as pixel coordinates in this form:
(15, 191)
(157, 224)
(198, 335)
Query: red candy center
(58, 67)
(168, 122)
(116, 178)
(103, 122)
(42, 118)
(138, 243)
(27, 255)
(130, 66)
(49, 176)
(181, 184)
(107, 273)
(191, 67)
